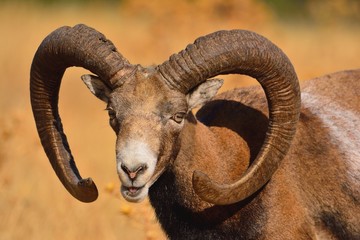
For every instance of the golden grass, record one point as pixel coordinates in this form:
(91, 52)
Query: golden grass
(33, 204)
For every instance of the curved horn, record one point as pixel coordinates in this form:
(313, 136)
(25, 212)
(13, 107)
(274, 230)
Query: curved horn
(65, 47)
(242, 52)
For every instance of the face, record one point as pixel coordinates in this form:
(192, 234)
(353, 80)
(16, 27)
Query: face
(147, 117)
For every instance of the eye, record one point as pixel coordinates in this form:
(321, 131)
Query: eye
(178, 117)
(114, 123)
(111, 112)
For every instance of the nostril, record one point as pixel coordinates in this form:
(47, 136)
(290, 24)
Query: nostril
(125, 169)
(141, 169)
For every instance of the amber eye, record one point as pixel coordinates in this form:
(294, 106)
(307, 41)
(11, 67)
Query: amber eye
(112, 113)
(178, 117)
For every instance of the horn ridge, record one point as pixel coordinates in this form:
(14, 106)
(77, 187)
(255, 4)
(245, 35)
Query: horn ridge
(242, 52)
(65, 47)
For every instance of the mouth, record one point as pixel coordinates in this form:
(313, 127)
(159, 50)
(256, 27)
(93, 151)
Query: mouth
(134, 194)
(137, 194)
(133, 191)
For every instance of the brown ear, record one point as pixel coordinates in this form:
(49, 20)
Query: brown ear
(203, 93)
(97, 87)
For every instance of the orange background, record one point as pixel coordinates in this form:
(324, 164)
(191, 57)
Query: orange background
(33, 203)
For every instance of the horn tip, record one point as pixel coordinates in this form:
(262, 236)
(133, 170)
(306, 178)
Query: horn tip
(87, 191)
(212, 192)
(204, 187)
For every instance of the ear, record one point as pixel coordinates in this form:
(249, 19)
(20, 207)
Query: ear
(204, 92)
(97, 87)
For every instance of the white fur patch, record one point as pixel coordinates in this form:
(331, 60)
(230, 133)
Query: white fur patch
(133, 154)
(344, 127)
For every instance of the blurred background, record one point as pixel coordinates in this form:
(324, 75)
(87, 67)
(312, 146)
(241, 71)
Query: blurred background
(319, 36)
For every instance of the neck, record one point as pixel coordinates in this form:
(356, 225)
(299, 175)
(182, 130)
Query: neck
(206, 149)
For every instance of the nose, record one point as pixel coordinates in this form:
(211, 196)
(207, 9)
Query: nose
(133, 172)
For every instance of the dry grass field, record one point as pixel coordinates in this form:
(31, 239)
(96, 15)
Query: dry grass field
(33, 203)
